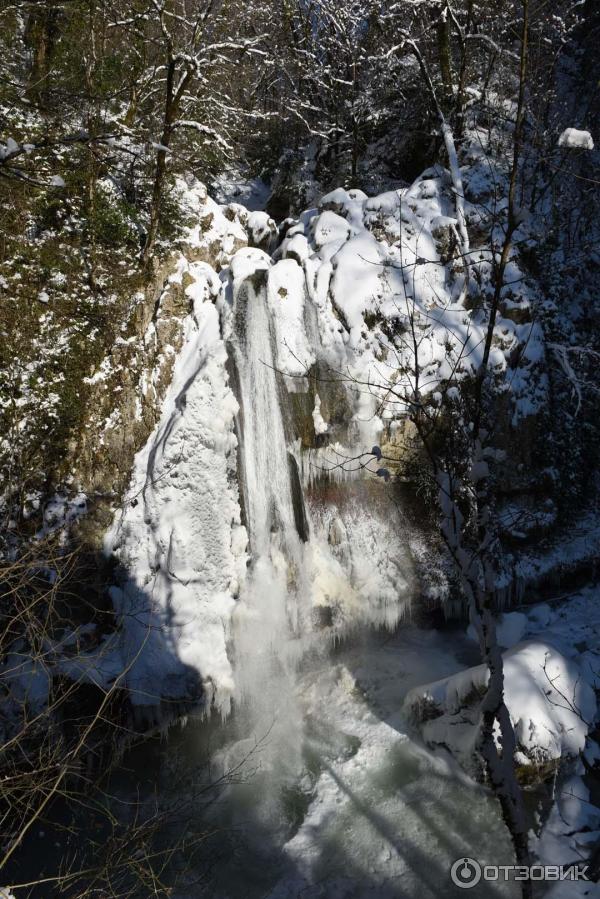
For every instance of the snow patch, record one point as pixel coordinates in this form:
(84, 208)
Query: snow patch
(574, 139)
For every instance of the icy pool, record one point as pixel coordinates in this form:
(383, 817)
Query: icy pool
(348, 805)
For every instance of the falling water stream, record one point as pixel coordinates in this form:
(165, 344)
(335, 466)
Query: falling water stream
(271, 622)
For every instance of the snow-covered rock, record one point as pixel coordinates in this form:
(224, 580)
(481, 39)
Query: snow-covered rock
(574, 139)
(551, 706)
(296, 247)
(249, 262)
(573, 826)
(286, 295)
(219, 231)
(178, 535)
(261, 229)
(329, 226)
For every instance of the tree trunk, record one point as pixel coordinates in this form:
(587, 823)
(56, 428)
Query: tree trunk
(463, 70)
(40, 37)
(161, 165)
(355, 130)
(513, 219)
(445, 58)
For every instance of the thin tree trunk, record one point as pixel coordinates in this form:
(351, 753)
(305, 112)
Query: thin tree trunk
(445, 57)
(161, 166)
(40, 36)
(513, 219)
(463, 69)
(354, 163)
(453, 165)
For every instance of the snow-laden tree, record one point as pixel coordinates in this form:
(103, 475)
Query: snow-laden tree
(188, 57)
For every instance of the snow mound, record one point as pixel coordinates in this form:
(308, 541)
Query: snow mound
(261, 228)
(574, 139)
(249, 262)
(550, 704)
(329, 226)
(572, 828)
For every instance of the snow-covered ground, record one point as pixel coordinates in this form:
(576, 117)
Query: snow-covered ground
(387, 818)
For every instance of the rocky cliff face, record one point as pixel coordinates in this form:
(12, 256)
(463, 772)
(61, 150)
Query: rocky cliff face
(322, 329)
(128, 387)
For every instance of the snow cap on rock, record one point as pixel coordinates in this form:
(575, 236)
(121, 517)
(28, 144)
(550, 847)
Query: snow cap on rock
(574, 139)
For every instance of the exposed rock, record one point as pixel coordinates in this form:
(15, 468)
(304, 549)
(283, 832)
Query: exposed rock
(443, 231)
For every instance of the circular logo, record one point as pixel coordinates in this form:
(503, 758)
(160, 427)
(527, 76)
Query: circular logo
(465, 873)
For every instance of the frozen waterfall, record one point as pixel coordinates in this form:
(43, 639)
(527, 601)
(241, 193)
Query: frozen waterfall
(271, 623)
(266, 464)
(244, 559)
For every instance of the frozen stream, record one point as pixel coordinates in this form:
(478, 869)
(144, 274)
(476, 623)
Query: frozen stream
(362, 810)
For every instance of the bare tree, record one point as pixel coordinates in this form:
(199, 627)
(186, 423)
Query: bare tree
(457, 437)
(64, 726)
